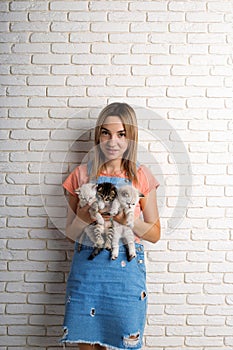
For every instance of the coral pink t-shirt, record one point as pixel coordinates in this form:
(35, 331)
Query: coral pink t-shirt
(79, 176)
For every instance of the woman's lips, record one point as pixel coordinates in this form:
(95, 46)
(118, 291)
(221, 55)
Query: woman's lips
(110, 150)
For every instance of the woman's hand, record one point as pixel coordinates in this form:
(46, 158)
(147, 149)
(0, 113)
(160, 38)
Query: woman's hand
(83, 214)
(120, 218)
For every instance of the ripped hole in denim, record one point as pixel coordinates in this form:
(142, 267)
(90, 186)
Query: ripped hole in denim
(131, 340)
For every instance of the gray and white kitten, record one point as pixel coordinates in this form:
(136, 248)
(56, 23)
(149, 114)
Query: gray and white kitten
(127, 198)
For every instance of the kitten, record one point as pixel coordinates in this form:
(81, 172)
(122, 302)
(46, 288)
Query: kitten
(105, 194)
(127, 198)
(87, 194)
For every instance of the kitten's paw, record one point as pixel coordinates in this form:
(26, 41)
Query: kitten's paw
(130, 224)
(100, 220)
(101, 205)
(131, 257)
(113, 212)
(99, 243)
(108, 246)
(114, 257)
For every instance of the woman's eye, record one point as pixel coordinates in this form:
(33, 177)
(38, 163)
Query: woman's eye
(104, 132)
(122, 134)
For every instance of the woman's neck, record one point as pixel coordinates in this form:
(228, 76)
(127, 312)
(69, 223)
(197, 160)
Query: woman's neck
(113, 167)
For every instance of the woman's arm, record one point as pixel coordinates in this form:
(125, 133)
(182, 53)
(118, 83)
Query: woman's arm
(77, 219)
(149, 228)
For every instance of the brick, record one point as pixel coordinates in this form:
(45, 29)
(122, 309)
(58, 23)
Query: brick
(105, 91)
(66, 91)
(47, 102)
(24, 5)
(187, 330)
(206, 38)
(109, 70)
(122, 81)
(109, 27)
(131, 16)
(150, 48)
(69, 27)
(189, 49)
(47, 16)
(44, 277)
(184, 6)
(50, 59)
(29, 330)
(106, 6)
(25, 288)
(82, 16)
(29, 27)
(70, 48)
(16, 340)
(147, 6)
(110, 48)
(169, 38)
(148, 27)
(68, 6)
(166, 16)
(46, 80)
(216, 7)
(90, 59)
(9, 16)
(49, 37)
(25, 91)
(164, 342)
(85, 80)
(26, 69)
(70, 70)
(88, 37)
(204, 341)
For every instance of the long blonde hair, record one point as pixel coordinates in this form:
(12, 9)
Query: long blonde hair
(128, 118)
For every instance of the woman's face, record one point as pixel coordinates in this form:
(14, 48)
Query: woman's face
(113, 141)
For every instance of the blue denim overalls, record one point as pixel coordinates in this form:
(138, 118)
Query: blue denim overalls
(106, 300)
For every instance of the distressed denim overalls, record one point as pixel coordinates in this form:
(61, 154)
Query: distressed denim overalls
(106, 300)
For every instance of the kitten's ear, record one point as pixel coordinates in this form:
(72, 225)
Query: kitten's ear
(94, 186)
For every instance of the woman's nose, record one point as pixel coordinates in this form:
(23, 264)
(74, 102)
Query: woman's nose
(112, 139)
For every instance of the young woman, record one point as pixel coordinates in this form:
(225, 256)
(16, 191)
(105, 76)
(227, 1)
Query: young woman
(106, 299)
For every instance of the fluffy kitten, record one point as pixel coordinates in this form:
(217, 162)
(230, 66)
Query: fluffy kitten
(87, 194)
(105, 194)
(127, 198)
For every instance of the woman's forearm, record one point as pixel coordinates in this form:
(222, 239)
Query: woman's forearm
(75, 229)
(147, 231)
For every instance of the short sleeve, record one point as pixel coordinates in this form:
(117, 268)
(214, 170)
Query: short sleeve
(76, 178)
(147, 181)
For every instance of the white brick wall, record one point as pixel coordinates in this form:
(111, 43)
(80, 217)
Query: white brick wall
(61, 61)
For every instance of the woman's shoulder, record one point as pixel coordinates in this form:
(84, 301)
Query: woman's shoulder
(147, 181)
(76, 178)
(143, 169)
